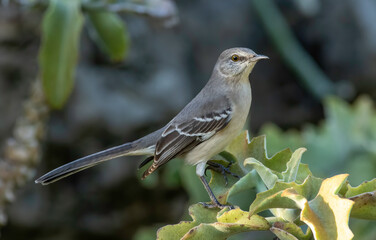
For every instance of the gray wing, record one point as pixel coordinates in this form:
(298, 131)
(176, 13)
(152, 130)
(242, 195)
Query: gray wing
(181, 136)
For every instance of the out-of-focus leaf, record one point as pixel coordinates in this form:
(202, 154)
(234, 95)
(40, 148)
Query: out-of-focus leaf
(327, 214)
(110, 33)
(344, 142)
(367, 186)
(145, 233)
(58, 54)
(364, 206)
(193, 185)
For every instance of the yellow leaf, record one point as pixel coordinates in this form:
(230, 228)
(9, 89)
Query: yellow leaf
(327, 214)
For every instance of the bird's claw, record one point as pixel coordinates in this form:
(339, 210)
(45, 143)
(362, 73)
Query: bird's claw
(219, 168)
(216, 205)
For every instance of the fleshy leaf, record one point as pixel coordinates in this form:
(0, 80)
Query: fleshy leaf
(242, 149)
(239, 147)
(229, 223)
(327, 214)
(277, 198)
(270, 172)
(367, 186)
(282, 234)
(211, 224)
(293, 165)
(364, 198)
(199, 214)
(247, 182)
(364, 206)
(109, 32)
(292, 229)
(267, 176)
(303, 173)
(61, 28)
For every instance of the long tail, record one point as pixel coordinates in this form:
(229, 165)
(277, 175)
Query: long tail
(142, 146)
(90, 161)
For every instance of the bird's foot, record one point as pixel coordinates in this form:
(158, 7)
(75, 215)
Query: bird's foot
(216, 205)
(219, 168)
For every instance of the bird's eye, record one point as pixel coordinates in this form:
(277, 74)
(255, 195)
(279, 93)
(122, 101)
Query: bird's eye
(235, 58)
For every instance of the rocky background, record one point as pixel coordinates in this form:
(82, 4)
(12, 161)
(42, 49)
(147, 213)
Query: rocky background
(166, 67)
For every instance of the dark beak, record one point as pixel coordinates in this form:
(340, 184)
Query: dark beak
(258, 57)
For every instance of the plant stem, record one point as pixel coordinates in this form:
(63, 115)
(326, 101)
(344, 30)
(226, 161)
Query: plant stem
(299, 61)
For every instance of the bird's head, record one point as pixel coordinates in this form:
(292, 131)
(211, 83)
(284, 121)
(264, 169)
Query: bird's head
(237, 61)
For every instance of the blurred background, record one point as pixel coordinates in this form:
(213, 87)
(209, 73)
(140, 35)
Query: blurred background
(317, 90)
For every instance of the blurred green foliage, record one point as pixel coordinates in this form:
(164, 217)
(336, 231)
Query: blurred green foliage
(344, 142)
(61, 30)
(108, 31)
(59, 51)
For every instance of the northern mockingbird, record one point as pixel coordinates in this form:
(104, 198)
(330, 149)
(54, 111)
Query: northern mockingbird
(201, 130)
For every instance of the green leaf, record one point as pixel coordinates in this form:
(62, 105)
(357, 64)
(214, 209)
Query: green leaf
(364, 206)
(344, 142)
(277, 197)
(230, 223)
(211, 224)
(282, 234)
(239, 148)
(294, 232)
(193, 185)
(242, 149)
(269, 169)
(293, 165)
(327, 214)
(246, 183)
(303, 173)
(199, 214)
(367, 186)
(267, 176)
(109, 31)
(58, 54)
(364, 197)
(218, 183)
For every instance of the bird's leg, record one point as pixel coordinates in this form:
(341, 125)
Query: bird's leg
(219, 168)
(200, 171)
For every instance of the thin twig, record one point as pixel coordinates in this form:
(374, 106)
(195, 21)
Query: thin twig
(307, 70)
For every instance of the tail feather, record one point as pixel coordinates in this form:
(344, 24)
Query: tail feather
(89, 161)
(149, 171)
